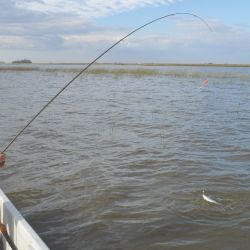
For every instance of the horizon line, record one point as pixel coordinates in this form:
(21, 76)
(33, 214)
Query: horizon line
(139, 64)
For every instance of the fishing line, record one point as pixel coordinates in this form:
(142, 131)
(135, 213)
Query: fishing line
(91, 63)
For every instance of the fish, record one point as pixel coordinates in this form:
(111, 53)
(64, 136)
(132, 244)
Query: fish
(208, 199)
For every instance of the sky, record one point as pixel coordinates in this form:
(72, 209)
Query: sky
(79, 30)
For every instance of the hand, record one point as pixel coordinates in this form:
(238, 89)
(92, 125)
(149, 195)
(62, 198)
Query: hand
(2, 160)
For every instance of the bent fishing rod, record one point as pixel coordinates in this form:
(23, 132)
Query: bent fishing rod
(91, 63)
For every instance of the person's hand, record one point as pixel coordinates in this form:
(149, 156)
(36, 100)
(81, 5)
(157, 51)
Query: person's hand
(2, 160)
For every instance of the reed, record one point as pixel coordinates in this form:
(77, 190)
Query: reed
(136, 72)
(19, 68)
(103, 71)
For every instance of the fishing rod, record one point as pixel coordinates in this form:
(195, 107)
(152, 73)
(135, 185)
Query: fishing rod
(91, 63)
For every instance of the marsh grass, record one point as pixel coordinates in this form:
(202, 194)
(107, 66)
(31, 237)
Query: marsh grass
(101, 71)
(136, 72)
(142, 72)
(19, 68)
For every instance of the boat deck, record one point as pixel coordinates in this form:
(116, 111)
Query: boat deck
(19, 231)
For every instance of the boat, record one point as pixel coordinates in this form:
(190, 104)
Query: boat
(15, 232)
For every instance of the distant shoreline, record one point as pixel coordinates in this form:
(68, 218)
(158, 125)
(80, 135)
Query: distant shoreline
(138, 64)
(161, 64)
(197, 64)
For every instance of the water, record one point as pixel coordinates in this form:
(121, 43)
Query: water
(120, 161)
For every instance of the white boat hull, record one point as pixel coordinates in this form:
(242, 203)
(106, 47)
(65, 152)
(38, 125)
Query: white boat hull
(19, 231)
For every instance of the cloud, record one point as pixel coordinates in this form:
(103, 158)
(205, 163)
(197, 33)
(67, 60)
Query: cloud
(222, 34)
(59, 27)
(45, 23)
(17, 42)
(107, 38)
(87, 8)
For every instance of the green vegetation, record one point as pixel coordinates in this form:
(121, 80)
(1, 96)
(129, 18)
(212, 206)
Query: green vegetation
(197, 64)
(18, 68)
(130, 71)
(22, 61)
(136, 72)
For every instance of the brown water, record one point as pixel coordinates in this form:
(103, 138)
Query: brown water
(120, 161)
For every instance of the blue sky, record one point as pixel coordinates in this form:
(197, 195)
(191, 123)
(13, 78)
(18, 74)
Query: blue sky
(78, 30)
